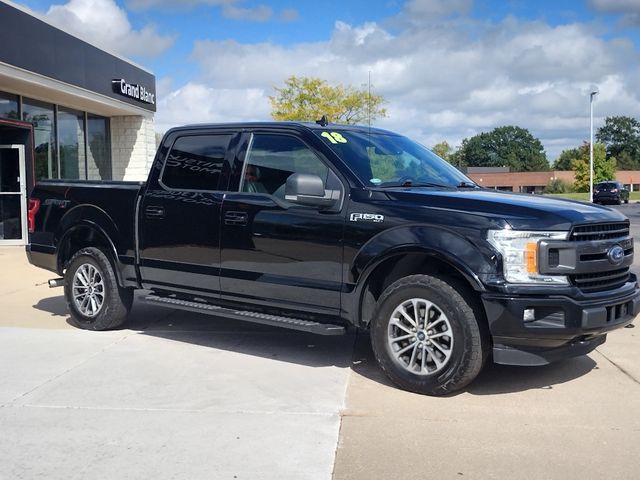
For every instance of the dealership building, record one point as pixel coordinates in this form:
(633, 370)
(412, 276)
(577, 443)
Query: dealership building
(68, 110)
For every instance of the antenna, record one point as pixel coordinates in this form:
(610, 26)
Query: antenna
(323, 122)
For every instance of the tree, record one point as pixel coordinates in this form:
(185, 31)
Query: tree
(603, 168)
(556, 186)
(308, 98)
(443, 150)
(563, 162)
(621, 136)
(508, 146)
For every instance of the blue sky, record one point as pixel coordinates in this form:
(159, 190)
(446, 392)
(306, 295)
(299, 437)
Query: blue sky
(448, 68)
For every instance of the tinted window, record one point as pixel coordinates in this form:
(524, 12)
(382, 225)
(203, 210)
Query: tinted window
(71, 144)
(195, 162)
(41, 116)
(274, 158)
(98, 153)
(8, 106)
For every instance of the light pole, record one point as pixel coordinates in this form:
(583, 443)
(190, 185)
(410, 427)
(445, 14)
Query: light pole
(593, 93)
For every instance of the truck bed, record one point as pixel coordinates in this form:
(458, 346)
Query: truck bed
(68, 206)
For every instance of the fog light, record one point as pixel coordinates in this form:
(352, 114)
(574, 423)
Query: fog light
(529, 315)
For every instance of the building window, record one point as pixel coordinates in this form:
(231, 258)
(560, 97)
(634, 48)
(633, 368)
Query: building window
(42, 117)
(82, 139)
(9, 106)
(98, 149)
(71, 144)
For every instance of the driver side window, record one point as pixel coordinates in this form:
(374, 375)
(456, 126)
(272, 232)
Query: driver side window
(274, 158)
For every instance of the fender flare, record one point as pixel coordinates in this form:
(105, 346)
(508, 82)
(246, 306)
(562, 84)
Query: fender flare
(469, 259)
(92, 218)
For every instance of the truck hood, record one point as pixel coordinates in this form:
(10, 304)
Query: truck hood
(521, 211)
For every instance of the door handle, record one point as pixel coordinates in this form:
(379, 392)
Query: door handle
(236, 218)
(153, 211)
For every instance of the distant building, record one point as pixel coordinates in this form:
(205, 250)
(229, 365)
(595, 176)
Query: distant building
(535, 182)
(468, 170)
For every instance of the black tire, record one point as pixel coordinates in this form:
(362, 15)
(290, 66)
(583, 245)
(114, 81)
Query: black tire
(626, 200)
(470, 340)
(116, 303)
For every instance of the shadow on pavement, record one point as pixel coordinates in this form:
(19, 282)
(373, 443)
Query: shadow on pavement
(353, 350)
(56, 306)
(494, 379)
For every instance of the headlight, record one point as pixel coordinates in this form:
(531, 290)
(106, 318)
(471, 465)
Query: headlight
(519, 251)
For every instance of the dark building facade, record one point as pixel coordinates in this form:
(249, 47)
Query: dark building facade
(68, 110)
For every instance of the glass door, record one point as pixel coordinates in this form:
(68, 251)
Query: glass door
(13, 195)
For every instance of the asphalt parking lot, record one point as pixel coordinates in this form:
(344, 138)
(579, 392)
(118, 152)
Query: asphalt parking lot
(185, 396)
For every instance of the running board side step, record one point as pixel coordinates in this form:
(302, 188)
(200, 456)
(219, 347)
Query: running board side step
(247, 316)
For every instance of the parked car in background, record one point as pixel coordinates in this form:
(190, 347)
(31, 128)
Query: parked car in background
(610, 192)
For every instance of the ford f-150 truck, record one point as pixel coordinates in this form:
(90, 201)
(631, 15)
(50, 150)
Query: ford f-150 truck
(326, 228)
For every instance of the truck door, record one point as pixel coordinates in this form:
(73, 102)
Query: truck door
(274, 252)
(179, 215)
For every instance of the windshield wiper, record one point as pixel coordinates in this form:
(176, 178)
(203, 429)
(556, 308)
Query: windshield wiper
(410, 184)
(467, 185)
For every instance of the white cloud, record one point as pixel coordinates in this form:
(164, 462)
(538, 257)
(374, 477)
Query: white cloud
(104, 23)
(437, 8)
(445, 82)
(616, 6)
(630, 9)
(199, 103)
(146, 4)
(261, 13)
(232, 9)
(289, 15)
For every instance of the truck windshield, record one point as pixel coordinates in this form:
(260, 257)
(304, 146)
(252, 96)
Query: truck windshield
(388, 160)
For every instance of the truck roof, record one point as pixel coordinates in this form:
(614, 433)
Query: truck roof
(289, 125)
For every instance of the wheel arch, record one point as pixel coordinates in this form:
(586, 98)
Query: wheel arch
(417, 249)
(87, 226)
(404, 262)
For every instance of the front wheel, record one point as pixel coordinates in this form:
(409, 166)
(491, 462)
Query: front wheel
(426, 336)
(94, 298)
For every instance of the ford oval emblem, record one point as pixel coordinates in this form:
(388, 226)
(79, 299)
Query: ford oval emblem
(615, 255)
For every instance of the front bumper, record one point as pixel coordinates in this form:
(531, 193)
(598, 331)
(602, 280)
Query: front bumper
(562, 327)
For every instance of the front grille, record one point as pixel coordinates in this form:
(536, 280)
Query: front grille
(599, 231)
(600, 281)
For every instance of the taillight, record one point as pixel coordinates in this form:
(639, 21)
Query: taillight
(34, 206)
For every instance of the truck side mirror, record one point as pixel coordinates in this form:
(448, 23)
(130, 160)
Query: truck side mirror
(306, 189)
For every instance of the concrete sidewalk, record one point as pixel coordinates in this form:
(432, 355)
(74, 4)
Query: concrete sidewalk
(176, 395)
(187, 396)
(577, 419)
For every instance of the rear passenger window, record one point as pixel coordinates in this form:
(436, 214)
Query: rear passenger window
(195, 162)
(273, 159)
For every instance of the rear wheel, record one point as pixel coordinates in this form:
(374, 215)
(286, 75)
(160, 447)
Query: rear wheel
(426, 337)
(94, 298)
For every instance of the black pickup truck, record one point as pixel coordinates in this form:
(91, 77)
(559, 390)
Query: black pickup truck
(325, 227)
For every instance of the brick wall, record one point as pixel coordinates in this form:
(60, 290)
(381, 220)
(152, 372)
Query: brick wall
(520, 180)
(133, 147)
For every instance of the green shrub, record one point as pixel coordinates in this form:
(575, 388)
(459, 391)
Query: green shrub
(556, 186)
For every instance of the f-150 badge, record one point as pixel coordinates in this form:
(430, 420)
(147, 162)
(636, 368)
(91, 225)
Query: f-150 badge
(366, 217)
